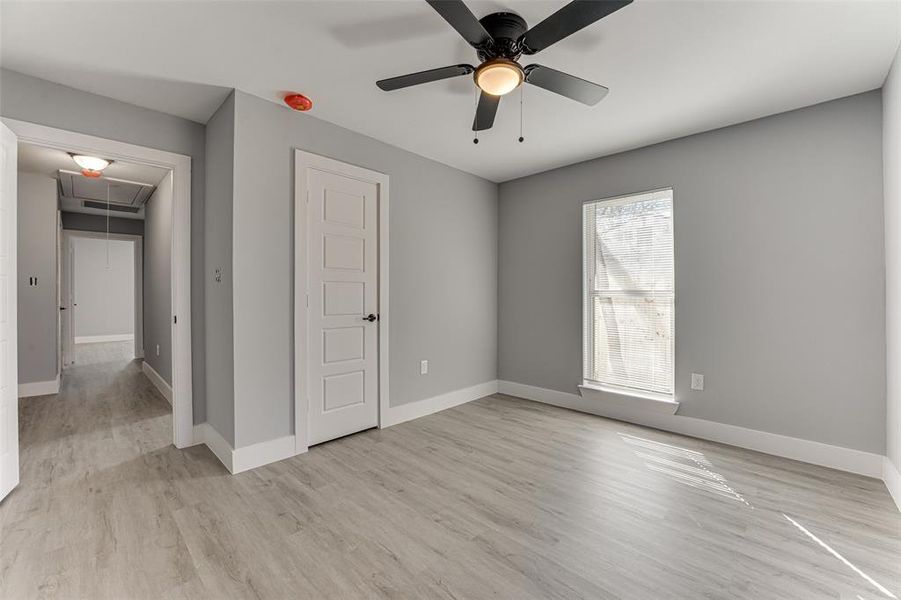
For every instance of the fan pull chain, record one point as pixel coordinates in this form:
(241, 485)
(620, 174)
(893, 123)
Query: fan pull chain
(522, 95)
(475, 140)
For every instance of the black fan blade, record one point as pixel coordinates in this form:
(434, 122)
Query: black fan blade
(485, 112)
(566, 21)
(461, 18)
(396, 83)
(565, 84)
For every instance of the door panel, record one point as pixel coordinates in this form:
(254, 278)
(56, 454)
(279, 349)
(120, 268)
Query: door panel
(343, 298)
(342, 285)
(9, 396)
(343, 343)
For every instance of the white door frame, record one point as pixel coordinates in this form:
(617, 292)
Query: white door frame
(180, 165)
(302, 162)
(9, 385)
(138, 242)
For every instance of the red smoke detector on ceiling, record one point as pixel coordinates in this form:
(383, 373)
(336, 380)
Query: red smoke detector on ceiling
(299, 102)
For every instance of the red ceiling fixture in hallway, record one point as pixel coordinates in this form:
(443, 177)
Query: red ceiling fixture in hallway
(298, 102)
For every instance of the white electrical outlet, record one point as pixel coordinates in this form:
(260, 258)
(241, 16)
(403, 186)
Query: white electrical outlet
(157, 349)
(697, 381)
(423, 367)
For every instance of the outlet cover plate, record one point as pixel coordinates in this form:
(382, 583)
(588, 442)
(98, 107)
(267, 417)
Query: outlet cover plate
(697, 382)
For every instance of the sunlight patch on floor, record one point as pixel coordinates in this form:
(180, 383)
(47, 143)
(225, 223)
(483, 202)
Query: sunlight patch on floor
(834, 553)
(686, 466)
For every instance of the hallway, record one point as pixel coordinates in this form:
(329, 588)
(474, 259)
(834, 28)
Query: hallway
(92, 459)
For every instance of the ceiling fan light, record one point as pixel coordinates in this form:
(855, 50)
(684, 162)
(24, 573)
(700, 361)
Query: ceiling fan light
(90, 163)
(499, 76)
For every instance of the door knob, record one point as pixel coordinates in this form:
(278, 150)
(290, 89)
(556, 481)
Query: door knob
(371, 317)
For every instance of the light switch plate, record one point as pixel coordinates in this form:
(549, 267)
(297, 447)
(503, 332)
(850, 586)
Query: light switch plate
(423, 367)
(697, 382)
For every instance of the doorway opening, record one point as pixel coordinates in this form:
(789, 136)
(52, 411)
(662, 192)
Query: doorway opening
(113, 231)
(98, 272)
(101, 297)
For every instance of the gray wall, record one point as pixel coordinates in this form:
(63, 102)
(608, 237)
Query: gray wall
(36, 257)
(220, 158)
(443, 274)
(39, 101)
(104, 291)
(891, 143)
(779, 270)
(158, 279)
(84, 222)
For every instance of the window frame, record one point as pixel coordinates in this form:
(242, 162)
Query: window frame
(588, 294)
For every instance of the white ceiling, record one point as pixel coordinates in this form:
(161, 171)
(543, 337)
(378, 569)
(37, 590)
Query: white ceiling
(673, 67)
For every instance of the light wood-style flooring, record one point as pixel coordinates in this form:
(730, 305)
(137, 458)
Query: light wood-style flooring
(498, 498)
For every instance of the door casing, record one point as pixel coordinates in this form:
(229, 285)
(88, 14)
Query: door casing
(9, 385)
(303, 163)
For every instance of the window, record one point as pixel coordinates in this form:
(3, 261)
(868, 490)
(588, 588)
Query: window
(628, 294)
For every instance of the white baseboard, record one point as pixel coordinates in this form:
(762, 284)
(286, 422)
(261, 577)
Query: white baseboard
(207, 434)
(157, 380)
(246, 457)
(39, 388)
(263, 453)
(94, 339)
(817, 453)
(892, 479)
(414, 410)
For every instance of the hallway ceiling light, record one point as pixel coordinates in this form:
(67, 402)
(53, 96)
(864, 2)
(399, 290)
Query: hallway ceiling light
(91, 166)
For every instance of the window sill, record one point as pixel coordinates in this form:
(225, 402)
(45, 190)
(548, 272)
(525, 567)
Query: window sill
(616, 398)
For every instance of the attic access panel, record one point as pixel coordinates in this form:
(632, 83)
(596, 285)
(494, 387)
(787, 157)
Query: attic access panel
(122, 193)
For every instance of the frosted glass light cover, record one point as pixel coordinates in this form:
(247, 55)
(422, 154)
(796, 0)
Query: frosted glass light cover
(91, 163)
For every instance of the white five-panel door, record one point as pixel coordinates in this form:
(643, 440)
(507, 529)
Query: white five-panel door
(342, 284)
(9, 419)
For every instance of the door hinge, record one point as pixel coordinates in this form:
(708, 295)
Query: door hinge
(175, 319)
(308, 196)
(308, 301)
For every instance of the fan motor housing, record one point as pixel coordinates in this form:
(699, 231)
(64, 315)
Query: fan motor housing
(506, 28)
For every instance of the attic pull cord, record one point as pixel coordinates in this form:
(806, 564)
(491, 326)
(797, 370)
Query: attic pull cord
(107, 222)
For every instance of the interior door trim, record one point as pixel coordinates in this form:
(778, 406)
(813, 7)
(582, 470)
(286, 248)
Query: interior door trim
(303, 162)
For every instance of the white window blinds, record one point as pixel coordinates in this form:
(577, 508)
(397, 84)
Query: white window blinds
(628, 293)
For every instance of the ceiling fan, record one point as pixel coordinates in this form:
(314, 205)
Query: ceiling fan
(500, 39)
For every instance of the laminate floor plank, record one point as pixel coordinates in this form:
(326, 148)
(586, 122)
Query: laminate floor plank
(498, 498)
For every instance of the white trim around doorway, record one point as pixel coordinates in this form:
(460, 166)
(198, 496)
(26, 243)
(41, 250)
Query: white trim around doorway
(303, 161)
(180, 165)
